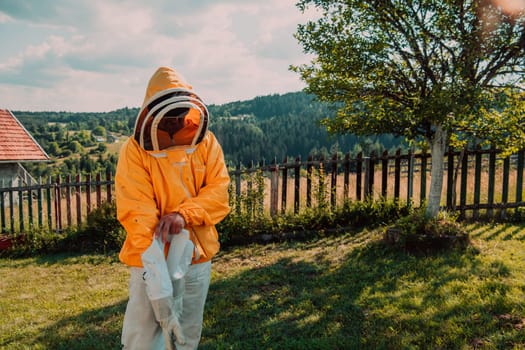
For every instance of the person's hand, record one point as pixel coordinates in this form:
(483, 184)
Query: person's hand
(171, 223)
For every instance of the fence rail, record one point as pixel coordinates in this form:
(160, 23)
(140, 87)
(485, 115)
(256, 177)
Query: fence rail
(475, 181)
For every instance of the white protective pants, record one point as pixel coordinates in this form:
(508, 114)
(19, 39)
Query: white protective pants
(141, 331)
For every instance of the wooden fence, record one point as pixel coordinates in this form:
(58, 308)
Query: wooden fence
(476, 181)
(53, 205)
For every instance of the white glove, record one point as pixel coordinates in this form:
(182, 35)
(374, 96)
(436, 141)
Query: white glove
(168, 320)
(160, 293)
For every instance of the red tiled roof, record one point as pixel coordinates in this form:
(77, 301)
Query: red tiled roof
(16, 144)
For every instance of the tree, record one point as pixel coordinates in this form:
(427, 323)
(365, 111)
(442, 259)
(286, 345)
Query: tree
(99, 130)
(441, 71)
(75, 147)
(53, 148)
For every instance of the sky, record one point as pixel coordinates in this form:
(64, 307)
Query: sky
(98, 55)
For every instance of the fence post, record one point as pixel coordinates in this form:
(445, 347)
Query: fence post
(477, 182)
(397, 174)
(30, 203)
(410, 176)
(297, 184)
(68, 199)
(358, 175)
(58, 205)
(384, 174)
(369, 176)
(284, 185)
(366, 182)
(39, 205)
(333, 182)
(463, 186)
(423, 180)
(48, 202)
(346, 189)
(78, 196)
(371, 173)
(492, 180)
(274, 187)
(99, 194)
(450, 179)
(261, 182)
(11, 208)
(505, 186)
(21, 209)
(88, 194)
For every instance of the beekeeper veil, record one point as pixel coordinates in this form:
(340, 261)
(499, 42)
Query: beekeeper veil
(172, 114)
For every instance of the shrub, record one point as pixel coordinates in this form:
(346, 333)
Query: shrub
(417, 233)
(37, 241)
(102, 232)
(244, 227)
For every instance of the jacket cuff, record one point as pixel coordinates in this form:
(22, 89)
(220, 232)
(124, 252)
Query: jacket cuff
(185, 217)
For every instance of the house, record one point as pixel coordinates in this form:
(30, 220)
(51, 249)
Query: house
(17, 146)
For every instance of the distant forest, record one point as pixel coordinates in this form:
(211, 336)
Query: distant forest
(257, 130)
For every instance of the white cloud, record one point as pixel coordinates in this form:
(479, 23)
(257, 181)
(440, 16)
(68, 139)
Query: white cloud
(99, 55)
(4, 18)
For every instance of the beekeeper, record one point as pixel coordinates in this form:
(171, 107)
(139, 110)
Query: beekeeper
(171, 178)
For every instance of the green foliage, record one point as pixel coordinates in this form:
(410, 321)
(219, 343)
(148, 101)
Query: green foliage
(99, 131)
(419, 233)
(245, 228)
(102, 233)
(75, 147)
(402, 67)
(502, 123)
(250, 222)
(38, 242)
(101, 149)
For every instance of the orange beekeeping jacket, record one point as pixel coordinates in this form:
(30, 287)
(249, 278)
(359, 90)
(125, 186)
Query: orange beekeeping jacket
(191, 178)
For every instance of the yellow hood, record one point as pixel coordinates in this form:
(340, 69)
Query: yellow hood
(163, 79)
(167, 92)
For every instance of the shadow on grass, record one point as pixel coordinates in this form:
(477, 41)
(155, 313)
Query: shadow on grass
(93, 329)
(499, 231)
(370, 297)
(376, 299)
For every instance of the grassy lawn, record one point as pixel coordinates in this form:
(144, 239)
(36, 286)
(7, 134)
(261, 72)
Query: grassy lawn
(345, 292)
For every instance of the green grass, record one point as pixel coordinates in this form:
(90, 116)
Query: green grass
(345, 292)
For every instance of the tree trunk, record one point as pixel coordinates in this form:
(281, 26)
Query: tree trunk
(438, 145)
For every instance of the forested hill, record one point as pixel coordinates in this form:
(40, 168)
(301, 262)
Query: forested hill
(262, 128)
(276, 126)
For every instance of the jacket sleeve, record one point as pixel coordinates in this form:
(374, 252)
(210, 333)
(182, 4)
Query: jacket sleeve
(136, 206)
(211, 204)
